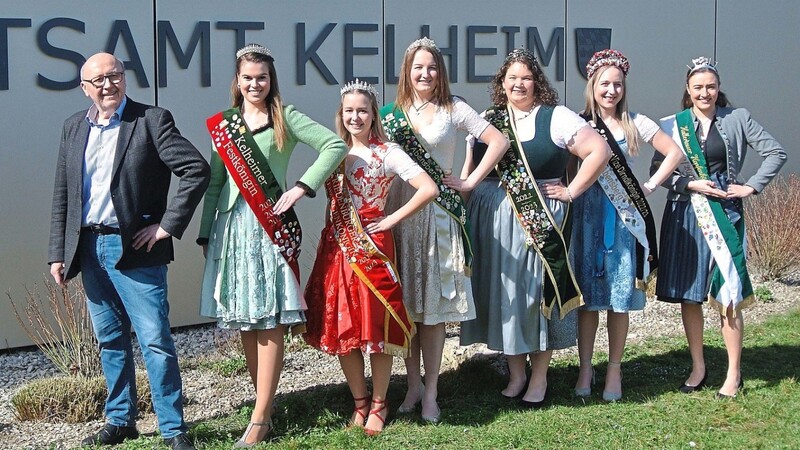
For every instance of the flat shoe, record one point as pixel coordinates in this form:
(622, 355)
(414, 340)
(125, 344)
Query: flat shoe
(403, 409)
(525, 404)
(434, 419)
(521, 392)
(721, 396)
(686, 389)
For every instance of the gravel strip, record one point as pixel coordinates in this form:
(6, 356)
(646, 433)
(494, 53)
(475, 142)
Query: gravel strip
(210, 395)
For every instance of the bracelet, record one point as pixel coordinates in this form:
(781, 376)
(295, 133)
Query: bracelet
(569, 195)
(649, 185)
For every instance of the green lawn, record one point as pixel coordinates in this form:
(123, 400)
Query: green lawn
(652, 414)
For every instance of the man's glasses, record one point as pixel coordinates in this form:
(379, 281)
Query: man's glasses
(113, 77)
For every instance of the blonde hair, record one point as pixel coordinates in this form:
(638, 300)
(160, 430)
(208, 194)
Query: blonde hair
(273, 100)
(621, 113)
(376, 129)
(441, 91)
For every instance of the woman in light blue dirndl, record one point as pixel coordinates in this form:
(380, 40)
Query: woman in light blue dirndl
(614, 238)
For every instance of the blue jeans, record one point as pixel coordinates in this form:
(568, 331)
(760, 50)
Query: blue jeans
(117, 300)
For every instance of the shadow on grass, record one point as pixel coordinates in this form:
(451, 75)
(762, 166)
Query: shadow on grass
(470, 394)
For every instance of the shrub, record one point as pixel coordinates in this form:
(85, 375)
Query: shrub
(71, 399)
(764, 294)
(62, 330)
(773, 232)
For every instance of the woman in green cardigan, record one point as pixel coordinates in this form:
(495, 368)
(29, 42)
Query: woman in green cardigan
(249, 232)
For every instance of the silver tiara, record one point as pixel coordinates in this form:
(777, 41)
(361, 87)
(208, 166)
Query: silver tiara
(253, 48)
(425, 42)
(701, 62)
(519, 54)
(359, 85)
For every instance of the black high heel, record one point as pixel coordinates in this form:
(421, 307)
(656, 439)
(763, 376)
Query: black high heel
(686, 389)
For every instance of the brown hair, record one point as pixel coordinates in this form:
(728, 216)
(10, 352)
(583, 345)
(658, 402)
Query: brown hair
(273, 100)
(441, 92)
(376, 129)
(632, 136)
(543, 93)
(686, 102)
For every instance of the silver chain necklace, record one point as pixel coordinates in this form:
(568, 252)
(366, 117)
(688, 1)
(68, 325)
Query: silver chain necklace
(527, 113)
(418, 109)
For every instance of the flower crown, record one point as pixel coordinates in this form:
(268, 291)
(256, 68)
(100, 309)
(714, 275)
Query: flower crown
(701, 62)
(253, 48)
(359, 85)
(607, 57)
(424, 42)
(520, 54)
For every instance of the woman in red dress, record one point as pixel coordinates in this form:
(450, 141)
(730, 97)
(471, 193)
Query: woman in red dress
(354, 299)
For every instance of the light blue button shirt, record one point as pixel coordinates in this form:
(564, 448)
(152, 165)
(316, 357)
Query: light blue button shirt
(98, 165)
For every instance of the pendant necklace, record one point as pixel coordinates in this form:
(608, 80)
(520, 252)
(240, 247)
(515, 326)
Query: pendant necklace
(419, 108)
(527, 113)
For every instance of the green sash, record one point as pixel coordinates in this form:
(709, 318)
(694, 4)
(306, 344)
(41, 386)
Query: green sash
(623, 191)
(730, 282)
(399, 130)
(540, 228)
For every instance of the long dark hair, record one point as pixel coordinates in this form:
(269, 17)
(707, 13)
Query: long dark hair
(273, 100)
(722, 99)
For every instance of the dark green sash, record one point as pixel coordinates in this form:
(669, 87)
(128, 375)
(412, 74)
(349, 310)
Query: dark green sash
(540, 228)
(730, 281)
(399, 130)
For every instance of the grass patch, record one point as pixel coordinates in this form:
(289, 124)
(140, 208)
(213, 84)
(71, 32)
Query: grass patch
(652, 413)
(227, 367)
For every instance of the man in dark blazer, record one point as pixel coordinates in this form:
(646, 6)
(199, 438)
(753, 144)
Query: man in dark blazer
(112, 222)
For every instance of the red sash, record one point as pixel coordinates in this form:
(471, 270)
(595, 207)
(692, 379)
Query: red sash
(372, 267)
(251, 172)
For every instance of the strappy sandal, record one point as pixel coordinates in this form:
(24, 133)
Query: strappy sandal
(241, 443)
(376, 412)
(358, 410)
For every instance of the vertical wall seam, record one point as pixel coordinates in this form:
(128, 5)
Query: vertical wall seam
(155, 53)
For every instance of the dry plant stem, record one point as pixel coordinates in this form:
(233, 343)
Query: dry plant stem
(63, 332)
(772, 228)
